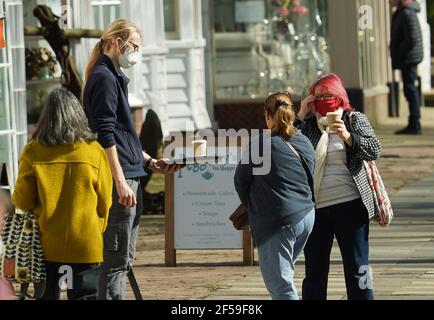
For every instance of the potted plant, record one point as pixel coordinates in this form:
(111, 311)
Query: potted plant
(40, 63)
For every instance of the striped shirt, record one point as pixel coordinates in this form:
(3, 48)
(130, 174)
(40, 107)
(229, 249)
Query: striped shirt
(337, 185)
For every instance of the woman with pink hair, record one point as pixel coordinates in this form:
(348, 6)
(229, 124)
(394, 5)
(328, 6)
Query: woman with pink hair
(344, 200)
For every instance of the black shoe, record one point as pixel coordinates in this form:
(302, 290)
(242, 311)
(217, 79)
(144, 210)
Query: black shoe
(409, 131)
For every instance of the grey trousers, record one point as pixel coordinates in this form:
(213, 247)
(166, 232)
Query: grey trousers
(120, 240)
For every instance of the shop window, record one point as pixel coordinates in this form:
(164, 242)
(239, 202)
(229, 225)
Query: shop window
(268, 45)
(171, 19)
(42, 70)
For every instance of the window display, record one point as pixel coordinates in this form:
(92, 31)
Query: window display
(42, 70)
(41, 63)
(267, 45)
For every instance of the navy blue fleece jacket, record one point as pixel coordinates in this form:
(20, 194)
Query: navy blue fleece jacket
(106, 105)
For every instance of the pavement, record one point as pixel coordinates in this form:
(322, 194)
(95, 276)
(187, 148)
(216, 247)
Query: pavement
(401, 255)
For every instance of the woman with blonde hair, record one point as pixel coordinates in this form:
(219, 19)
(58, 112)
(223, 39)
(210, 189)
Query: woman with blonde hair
(106, 105)
(280, 203)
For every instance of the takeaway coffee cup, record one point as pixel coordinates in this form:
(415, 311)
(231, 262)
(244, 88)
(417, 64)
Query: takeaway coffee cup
(333, 117)
(199, 147)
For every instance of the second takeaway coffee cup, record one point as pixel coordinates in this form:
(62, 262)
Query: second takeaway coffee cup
(333, 117)
(199, 147)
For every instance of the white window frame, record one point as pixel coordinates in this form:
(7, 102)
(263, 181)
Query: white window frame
(16, 128)
(175, 35)
(99, 5)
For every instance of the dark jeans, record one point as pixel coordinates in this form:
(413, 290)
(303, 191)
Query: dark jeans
(82, 287)
(409, 77)
(349, 222)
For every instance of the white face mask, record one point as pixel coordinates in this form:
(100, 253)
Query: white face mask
(129, 58)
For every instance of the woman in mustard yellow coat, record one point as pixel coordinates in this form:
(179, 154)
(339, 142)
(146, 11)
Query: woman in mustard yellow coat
(64, 178)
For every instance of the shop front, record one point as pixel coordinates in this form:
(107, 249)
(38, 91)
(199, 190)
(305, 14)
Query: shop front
(170, 77)
(263, 46)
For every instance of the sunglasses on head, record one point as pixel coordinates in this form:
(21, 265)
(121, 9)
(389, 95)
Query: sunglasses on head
(279, 92)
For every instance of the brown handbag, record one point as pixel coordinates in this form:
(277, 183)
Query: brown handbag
(240, 217)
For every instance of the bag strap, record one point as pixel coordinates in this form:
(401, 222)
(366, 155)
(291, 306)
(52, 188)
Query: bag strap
(304, 165)
(294, 150)
(351, 118)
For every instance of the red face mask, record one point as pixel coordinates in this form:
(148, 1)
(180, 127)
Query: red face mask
(326, 105)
